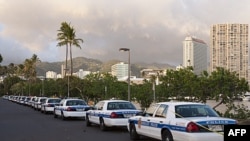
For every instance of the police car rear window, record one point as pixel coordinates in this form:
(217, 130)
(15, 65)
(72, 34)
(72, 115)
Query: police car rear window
(75, 102)
(182, 111)
(120, 105)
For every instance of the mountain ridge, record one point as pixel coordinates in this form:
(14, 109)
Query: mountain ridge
(93, 65)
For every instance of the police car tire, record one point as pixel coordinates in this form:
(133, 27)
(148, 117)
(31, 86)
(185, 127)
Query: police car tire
(167, 136)
(133, 133)
(55, 116)
(87, 121)
(102, 125)
(63, 117)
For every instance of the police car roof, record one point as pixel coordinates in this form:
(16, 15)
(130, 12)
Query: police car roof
(180, 103)
(115, 100)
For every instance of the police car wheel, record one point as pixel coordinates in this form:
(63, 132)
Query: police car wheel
(133, 133)
(63, 117)
(55, 116)
(167, 136)
(102, 125)
(87, 121)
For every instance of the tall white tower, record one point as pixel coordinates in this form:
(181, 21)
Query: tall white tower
(195, 54)
(120, 70)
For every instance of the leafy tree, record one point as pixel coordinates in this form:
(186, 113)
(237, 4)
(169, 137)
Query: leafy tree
(110, 86)
(76, 87)
(204, 88)
(143, 93)
(17, 88)
(11, 69)
(168, 85)
(94, 85)
(3, 70)
(190, 83)
(8, 82)
(61, 87)
(179, 84)
(50, 87)
(19, 70)
(226, 85)
(121, 90)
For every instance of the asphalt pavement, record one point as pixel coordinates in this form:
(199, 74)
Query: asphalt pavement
(22, 123)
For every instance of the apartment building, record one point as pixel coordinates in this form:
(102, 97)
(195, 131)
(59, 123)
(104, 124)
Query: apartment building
(229, 48)
(195, 54)
(120, 70)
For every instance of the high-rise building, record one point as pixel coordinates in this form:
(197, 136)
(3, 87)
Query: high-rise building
(81, 74)
(119, 70)
(51, 74)
(195, 54)
(229, 48)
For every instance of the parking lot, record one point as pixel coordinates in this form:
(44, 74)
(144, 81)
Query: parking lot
(22, 123)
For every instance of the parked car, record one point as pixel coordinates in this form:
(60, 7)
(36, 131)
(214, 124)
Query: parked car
(33, 101)
(26, 100)
(111, 113)
(21, 100)
(71, 108)
(179, 121)
(38, 103)
(49, 104)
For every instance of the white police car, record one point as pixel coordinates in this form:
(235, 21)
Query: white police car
(49, 104)
(68, 108)
(111, 113)
(179, 121)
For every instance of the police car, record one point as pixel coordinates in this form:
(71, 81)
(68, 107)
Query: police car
(179, 121)
(71, 108)
(111, 113)
(49, 104)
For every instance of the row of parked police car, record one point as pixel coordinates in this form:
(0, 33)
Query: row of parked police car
(166, 121)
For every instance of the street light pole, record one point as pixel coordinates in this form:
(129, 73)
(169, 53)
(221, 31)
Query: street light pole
(128, 50)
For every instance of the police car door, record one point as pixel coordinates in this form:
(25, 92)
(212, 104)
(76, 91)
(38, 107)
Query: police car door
(97, 112)
(144, 122)
(158, 120)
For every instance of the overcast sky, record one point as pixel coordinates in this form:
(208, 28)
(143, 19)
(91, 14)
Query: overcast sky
(153, 29)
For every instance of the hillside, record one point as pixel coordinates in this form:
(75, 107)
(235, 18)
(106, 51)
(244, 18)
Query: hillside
(95, 65)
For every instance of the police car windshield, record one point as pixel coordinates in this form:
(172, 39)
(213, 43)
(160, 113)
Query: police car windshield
(194, 111)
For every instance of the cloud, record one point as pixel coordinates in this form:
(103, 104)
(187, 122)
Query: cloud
(153, 30)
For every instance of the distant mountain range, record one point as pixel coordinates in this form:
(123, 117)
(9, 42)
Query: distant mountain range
(94, 65)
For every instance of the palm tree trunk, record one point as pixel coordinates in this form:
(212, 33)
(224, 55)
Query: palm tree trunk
(71, 63)
(66, 61)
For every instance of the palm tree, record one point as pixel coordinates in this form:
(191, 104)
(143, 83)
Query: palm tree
(30, 67)
(1, 58)
(62, 38)
(67, 36)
